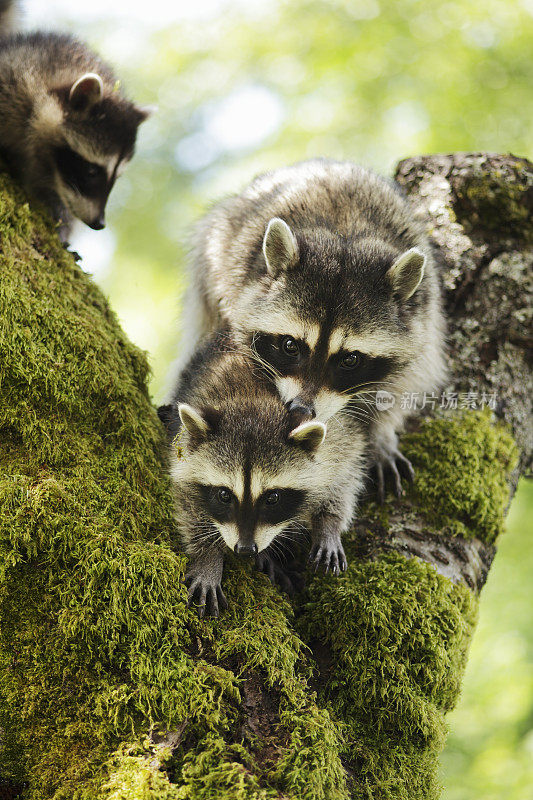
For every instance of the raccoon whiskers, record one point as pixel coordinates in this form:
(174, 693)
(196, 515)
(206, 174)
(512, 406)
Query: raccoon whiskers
(383, 384)
(364, 419)
(269, 369)
(363, 403)
(278, 550)
(249, 352)
(204, 532)
(198, 537)
(359, 413)
(280, 545)
(290, 533)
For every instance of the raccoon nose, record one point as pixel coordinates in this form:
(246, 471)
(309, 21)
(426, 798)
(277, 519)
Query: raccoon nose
(97, 223)
(246, 549)
(297, 408)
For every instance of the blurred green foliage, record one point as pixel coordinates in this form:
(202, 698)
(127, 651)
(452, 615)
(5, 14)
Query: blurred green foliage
(250, 86)
(489, 755)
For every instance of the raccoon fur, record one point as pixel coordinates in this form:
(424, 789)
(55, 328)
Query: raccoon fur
(8, 13)
(323, 273)
(248, 475)
(66, 131)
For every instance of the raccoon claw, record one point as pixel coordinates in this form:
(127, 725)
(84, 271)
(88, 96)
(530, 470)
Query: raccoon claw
(207, 597)
(329, 556)
(391, 461)
(277, 576)
(74, 253)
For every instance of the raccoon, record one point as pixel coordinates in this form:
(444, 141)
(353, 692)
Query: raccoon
(323, 273)
(66, 131)
(248, 474)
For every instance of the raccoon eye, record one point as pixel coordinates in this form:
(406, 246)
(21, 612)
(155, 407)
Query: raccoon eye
(272, 498)
(79, 173)
(290, 346)
(92, 170)
(350, 361)
(224, 496)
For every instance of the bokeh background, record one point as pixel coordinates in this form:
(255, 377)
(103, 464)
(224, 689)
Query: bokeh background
(247, 85)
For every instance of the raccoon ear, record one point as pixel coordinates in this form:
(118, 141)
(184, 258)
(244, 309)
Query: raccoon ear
(309, 435)
(406, 273)
(193, 421)
(144, 112)
(86, 92)
(280, 247)
(167, 415)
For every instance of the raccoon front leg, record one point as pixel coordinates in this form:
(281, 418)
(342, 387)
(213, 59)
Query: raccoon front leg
(388, 457)
(326, 546)
(204, 582)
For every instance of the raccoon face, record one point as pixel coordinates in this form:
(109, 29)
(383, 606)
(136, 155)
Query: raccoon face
(249, 524)
(337, 319)
(247, 476)
(95, 140)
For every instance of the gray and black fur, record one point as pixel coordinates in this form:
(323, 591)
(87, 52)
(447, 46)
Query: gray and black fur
(250, 476)
(66, 131)
(324, 274)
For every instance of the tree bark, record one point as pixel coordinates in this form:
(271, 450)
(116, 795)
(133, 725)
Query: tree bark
(110, 687)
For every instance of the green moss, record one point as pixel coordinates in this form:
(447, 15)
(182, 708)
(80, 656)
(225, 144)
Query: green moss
(462, 465)
(397, 635)
(131, 777)
(208, 772)
(309, 765)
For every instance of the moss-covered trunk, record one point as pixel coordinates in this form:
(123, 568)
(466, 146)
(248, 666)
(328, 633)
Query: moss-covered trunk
(109, 686)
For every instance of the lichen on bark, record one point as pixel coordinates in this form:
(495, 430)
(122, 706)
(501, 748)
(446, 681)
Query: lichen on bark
(110, 687)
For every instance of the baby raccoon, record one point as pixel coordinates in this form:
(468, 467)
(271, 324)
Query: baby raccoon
(66, 132)
(323, 273)
(248, 475)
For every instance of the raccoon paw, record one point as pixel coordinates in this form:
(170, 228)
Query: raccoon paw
(206, 595)
(289, 583)
(328, 555)
(393, 461)
(74, 253)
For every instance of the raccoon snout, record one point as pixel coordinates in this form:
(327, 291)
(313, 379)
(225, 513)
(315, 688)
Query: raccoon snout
(98, 223)
(300, 411)
(246, 549)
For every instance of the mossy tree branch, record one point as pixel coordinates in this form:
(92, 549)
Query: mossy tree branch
(110, 687)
